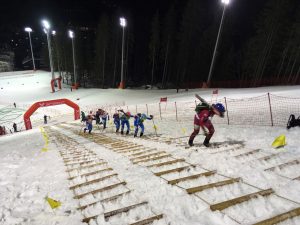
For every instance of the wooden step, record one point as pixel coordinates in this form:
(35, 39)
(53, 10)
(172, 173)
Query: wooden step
(281, 217)
(296, 178)
(148, 220)
(92, 181)
(142, 152)
(212, 185)
(175, 181)
(166, 163)
(248, 153)
(121, 210)
(104, 200)
(83, 157)
(88, 166)
(147, 156)
(90, 173)
(171, 171)
(223, 205)
(131, 150)
(100, 190)
(280, 166)
(268, 157)
(152, 159)
(81, 162)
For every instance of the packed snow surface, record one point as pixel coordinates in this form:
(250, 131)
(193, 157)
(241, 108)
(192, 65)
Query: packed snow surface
(29, 174)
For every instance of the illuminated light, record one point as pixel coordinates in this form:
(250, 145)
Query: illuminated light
(123, 22)
(28, 29)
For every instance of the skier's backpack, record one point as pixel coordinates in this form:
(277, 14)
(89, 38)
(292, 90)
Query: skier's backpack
(202, 106)
(293, 122)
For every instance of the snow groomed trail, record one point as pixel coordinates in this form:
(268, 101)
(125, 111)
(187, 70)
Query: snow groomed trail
(240, 201)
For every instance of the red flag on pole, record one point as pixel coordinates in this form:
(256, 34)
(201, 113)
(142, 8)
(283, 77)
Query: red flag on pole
(164, 99)
(215, 92)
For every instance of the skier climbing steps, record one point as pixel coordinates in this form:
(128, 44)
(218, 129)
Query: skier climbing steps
(101, 194)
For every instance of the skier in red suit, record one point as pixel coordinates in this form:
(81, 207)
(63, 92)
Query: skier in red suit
(201, 120)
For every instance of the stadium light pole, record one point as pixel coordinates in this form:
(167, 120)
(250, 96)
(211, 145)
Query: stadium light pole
(72, 36)
(29, 30)
(123, 25)
(46, 26)
(225, 2)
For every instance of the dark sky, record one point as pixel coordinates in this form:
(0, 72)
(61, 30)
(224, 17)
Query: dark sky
(15, 15)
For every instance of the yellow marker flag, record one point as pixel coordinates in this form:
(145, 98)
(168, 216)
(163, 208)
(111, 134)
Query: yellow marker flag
(155, 127)
(132, 127)
(44, 149)
(279, 142)
(110, 122)
(183, 130)
(53, 203)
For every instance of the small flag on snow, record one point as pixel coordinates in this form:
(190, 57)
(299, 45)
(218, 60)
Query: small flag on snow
(53, 203)
(279, 142)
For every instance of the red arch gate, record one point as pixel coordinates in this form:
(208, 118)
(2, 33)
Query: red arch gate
(37, 105)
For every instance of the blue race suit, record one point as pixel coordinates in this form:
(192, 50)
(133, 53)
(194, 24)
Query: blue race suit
(139, 122)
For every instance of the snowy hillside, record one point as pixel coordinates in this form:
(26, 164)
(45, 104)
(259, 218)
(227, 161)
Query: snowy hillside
(105, 178)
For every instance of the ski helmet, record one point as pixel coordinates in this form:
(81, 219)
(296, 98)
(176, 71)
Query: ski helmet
(128, 114)
(220, 107)
(139, 115)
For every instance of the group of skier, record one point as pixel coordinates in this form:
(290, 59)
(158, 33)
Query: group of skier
(120, 118)
(204, 111)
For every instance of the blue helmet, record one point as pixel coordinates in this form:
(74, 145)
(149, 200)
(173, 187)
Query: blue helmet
(220, 107)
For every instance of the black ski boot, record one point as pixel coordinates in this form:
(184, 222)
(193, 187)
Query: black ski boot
(127, 132)
(191, 143)
(141, 134)
(206, 142)
(122, 132)
(135, 134)
(117, 130)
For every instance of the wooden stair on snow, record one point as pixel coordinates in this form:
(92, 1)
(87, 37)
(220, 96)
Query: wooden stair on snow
(85, 167)
(171, 171)
(280, 166)
(166, 163)
(226, 204)
(152, 159)
(148, 220)
(212, 185)
(90, 173)
(191, 177)
(247, 153)
(100, 190)
(281, 217)
(147, 156)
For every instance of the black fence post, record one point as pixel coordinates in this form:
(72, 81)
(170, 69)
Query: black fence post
(159, 110)
(226, 110)
(176, 111)
(270, 109)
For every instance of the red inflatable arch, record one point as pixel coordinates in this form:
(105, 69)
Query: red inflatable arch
(37, 105)
(59, 83)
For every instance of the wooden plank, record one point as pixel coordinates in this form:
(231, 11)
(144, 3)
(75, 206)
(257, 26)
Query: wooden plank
(248, 153)
(130, 150)
(81, 162)
(175, 181)
(152, 159)
(147, 156)
(104, 200)
(93, 181)
(141, 152)
(296, 178)
(148, 220)
(166, 163)
(171, 171)
(86, 156)
(90, 173)
(126, 149)
(226, 204)
(211, 185)
(100, 190)
(121, 210)
(266, 158)
(281, 217)
(280, 166)
(84, 167)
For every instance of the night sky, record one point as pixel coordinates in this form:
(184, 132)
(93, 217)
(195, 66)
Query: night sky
(15, 15)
